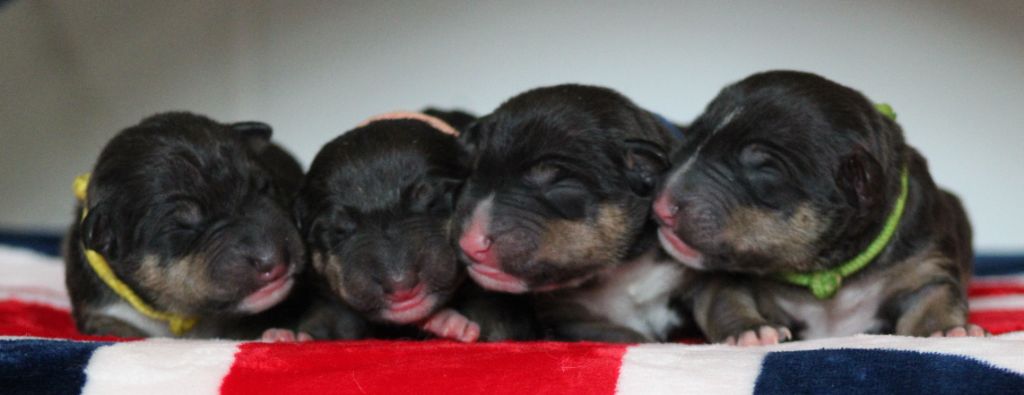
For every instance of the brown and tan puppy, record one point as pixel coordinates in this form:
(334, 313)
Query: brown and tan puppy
(782, 195)
(557, 206)
(191, 218)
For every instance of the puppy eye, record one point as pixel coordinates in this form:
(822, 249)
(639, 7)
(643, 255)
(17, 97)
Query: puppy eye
(263, 186)
(757, 157)
(432, 195)
(543, 174)
(188, 214)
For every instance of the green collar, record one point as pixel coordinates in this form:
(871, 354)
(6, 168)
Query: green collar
(823, 284)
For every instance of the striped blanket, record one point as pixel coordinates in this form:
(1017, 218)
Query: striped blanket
(41, 353)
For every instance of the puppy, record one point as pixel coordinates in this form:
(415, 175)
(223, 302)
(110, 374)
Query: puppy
(558, 206)
(375, 210)
(183, 229)
(816, 217)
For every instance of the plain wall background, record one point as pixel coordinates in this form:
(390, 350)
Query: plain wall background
(73, 73)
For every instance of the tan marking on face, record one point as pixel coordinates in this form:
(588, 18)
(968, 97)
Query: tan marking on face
(587, 242)
(330, 269)
(178, 286)
(763, 232)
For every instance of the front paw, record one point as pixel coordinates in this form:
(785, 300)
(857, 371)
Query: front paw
(450, 324)
(277, 335)
(763, 336)
(969, 330)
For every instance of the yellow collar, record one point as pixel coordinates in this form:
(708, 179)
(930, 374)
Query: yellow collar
(178, 324)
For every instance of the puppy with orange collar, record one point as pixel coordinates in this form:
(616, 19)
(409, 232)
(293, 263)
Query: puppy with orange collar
(375, 210)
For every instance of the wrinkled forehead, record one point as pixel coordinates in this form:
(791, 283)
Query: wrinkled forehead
(513, 146)
(377, 182)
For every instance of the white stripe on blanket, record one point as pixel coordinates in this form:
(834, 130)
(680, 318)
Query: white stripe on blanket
(160, 366)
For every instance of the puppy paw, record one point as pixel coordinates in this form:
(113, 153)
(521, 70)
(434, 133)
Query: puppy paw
(969, 330)
(450, 324)
(276, 335)
(763, 336)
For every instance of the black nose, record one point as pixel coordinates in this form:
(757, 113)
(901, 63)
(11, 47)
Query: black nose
(401, 280)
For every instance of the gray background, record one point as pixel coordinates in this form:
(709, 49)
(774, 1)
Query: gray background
(72, 73)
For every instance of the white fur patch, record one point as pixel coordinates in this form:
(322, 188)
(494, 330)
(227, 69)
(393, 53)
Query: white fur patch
(850, 311)
(636, 295)
(121, 310)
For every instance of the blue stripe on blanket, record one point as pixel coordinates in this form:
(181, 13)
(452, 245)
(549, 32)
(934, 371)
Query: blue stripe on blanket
(848, 371)
(44, 366)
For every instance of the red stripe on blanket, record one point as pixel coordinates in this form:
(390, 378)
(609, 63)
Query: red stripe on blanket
(999, 321)
(31, 319)
(432, 367)
(992, 289)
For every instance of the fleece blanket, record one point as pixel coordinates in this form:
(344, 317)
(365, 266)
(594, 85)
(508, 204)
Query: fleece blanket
(41, 353)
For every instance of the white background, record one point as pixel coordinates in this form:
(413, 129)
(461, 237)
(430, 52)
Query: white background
(73, 73)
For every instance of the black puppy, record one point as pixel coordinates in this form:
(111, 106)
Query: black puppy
(183, 229)
(375, 210)
(820, 218)
(558, 205)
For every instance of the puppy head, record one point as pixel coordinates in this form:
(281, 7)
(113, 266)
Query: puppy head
(785, 171)
(560, 187)
(375, 210)
(191, 219)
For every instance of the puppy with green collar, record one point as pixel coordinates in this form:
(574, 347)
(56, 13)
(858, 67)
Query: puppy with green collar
(809, 216)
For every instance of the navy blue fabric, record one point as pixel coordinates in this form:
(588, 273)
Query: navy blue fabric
(672, 128)
(44, 366)
(46, 243)
(991, 265)
(847, 371)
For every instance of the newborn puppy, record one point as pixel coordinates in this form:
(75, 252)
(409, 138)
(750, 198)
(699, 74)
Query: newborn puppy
(816, 215)
(558, 205)
(375, 210)
(183, 229)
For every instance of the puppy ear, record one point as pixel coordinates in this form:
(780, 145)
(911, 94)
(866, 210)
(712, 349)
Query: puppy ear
(97, 232)
(860, 178)
(255, 134)
(644, 162)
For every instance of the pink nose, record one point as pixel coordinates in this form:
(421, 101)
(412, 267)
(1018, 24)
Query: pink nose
(406, 294)
(476, 244)
(665, 210)
(274, 273)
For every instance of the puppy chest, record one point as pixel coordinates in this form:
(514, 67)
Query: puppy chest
(852, 310)
(637, 295)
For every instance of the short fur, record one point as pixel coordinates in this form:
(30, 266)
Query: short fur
(790, 172)
(557, 205)
(191, 214)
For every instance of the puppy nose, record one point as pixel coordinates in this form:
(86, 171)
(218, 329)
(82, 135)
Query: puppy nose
(403, 281)
(270, 264)
(666, 210)
(476, 244)
(404, 294)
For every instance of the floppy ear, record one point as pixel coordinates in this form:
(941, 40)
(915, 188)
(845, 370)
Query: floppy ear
(860, 178)
(255, 134)
(645, 162)
(97, 232)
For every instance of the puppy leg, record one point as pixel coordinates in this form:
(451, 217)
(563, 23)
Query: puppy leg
(936, 309)
(331, 320)
(573, 322)
(451, 324)
(728, 313)
(103, 325)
